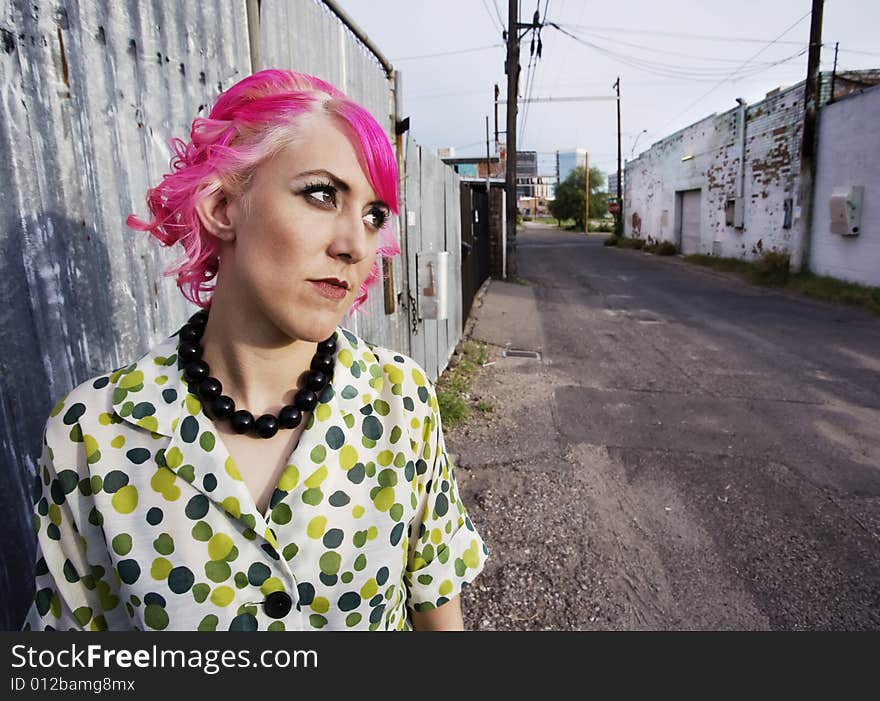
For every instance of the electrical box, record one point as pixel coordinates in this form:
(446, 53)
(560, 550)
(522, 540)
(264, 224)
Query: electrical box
(432, 275)
(846, 210)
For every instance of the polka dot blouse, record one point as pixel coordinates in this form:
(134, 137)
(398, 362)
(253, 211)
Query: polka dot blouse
(144, 522)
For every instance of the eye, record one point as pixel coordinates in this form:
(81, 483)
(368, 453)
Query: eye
(376, 217)
(324, 194)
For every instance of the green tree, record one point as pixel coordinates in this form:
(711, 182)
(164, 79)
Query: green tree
(569, 202)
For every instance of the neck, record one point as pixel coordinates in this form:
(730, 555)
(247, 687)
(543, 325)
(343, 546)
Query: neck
(259, 366)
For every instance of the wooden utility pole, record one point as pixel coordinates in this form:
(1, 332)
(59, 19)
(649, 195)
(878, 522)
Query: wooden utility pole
(801, 250)
(834, 73)
(512, 70)
(587, 193)
(618, 215)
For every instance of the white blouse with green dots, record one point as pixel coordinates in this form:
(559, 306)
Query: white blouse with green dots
(143, 520)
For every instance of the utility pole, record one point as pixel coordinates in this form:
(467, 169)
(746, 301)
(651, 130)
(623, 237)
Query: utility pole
(512, 70)
(587, 193)
(488, 157)
(801, 250)
(833, 73)
(497, 94)
(618, 215)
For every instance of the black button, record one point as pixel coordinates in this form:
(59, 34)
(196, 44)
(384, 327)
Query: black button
(278, 604)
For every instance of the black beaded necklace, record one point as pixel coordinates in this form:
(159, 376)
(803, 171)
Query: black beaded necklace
(218, 406)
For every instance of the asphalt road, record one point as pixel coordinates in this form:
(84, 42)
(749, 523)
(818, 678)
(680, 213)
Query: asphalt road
(692, 452)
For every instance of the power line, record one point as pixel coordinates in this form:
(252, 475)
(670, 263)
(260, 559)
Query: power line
(492, 19)
(498, 12)
(679, 35)
(449, 53)
(715, 87)
(667, 70)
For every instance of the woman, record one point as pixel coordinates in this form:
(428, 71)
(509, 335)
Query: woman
(162, 503)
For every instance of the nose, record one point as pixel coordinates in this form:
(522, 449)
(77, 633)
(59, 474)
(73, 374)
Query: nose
(349, 241)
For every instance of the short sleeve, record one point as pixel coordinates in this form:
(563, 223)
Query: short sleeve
(445, 551)
(70, 591)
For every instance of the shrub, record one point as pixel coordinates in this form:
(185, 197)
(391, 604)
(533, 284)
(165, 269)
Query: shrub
(771, 269)
(638, 244)
(611, 241)
(666, 248)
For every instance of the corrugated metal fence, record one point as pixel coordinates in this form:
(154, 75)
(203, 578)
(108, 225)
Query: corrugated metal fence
(92, 91)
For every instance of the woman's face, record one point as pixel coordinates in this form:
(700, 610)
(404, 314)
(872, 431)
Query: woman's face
(307, 239)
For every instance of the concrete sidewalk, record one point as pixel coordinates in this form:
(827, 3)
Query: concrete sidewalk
(508, 317)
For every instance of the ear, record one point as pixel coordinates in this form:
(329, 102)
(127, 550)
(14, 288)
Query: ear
(214, 212)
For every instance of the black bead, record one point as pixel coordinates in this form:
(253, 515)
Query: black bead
(199, 320)
(278, 604)
(328, 346)
(188, 352)
(196, 371)
(322, 362)
(209, 389)
(190, 334)
(305, 400)
(316, 381)
(223, 407)
(242, 421)
(267, 426)
(289, 416)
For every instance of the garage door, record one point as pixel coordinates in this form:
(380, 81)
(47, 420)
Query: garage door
(690, 222)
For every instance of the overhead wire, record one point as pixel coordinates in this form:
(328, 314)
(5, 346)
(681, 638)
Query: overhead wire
(724, 80)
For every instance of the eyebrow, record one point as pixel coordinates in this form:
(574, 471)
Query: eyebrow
(339, 183)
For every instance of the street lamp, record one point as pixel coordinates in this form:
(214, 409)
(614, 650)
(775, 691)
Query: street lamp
(633, 150)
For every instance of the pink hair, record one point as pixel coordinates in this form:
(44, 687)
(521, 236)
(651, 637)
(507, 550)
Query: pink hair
(248, 124)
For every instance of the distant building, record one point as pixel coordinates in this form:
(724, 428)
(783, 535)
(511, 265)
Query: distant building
(446, 152)
(568, 160)
(476, 166)
(729, 184)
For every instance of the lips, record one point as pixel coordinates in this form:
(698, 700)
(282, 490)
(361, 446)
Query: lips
(333, 281)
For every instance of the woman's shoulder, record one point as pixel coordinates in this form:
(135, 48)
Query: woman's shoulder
(375, 361)
(93, 401)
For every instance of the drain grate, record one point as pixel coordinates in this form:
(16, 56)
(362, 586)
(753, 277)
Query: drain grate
(519, 353)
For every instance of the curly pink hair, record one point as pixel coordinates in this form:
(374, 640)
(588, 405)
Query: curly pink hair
(249, 123)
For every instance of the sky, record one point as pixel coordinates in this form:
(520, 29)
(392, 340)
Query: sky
(678, 62)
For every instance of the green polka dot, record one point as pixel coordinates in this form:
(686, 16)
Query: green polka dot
(207, 441)
(202, 531)
(319, 452)
(118, 442)
(200, 592)
(345, 357)
(384, 499)
(161, 568)
(125, 500)
(330, 562)
(282, 514)
(222, 596)
(320, 604)
(316, 477)
(347, 457)
(219, 546)
(289, 478)
(208, 623)
(164, 544)
(316, 526)
(156, 617)
(122, 544)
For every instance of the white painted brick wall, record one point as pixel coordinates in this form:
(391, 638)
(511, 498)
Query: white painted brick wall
(773, 128)
(848, 154)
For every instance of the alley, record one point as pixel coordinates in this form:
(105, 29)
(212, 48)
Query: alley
(690, 452)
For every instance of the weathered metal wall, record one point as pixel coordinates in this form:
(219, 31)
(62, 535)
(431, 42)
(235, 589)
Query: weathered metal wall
(91, 92)
(433, 223)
